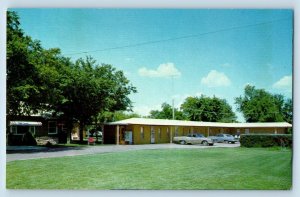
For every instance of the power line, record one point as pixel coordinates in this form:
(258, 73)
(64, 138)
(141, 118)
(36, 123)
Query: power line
(253, 113)
(176, 38)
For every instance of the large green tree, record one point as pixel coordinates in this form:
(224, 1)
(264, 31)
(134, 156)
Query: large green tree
(33, 73)
(109, 116)
(166, 112)
(22, 75)
(207, 109)
(288, 110)
(258, 105)
(90, 89)
(42, 80)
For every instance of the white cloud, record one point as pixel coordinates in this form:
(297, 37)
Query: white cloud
(163, 70)
(285, 83)
(215, 79)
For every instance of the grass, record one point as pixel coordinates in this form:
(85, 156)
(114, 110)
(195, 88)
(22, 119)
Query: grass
(216, 168)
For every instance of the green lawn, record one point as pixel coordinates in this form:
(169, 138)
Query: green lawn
(214, 168)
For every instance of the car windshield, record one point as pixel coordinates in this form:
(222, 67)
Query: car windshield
(229, 135)
(199, 135)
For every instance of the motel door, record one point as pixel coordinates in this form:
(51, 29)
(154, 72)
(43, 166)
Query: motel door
(152, 135)
(128, 137)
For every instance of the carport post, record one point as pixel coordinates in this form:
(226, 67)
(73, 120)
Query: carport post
(118, 134)
(102, 129)
(171, 140)
(275, 130)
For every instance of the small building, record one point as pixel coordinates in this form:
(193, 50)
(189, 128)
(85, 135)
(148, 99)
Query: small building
(42, 127)
(38, 126)
(153, 131)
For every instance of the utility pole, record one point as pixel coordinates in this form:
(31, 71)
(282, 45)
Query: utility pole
(173, 110)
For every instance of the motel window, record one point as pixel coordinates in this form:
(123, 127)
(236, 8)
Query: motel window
(247, 131)
(52, 127)
(168, 133)
(159, 133)
(142, 133)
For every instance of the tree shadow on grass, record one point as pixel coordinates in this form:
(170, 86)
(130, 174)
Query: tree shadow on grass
(38, 149)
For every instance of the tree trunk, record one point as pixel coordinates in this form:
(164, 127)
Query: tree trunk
(69, 130)
(81, 127)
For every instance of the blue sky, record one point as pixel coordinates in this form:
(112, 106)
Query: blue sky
(174, 53)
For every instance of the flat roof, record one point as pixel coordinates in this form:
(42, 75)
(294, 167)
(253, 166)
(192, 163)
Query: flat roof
(166, 122)
(24, 123)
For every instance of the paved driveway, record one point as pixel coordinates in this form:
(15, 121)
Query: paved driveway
(72, 151)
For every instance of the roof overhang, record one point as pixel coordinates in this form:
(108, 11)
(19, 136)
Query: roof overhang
(164, 122)
(24, 123)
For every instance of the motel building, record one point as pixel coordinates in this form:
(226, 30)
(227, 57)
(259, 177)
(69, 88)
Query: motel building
(155, 131)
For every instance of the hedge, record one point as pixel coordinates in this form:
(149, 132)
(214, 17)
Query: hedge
(266, 140)
(21, 140)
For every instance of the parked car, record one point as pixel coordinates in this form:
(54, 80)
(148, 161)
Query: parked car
(226, 138)
(193, 139)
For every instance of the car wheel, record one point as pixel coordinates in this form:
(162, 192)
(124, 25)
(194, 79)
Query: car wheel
(182, 142)
(205, 143)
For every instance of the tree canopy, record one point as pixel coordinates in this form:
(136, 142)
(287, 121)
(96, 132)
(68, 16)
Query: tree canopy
(258, 105)
(198, 109)
(166, 112)
(43, 80)
(108, 116)
(22, 75)
(91, 89)
(207, 109)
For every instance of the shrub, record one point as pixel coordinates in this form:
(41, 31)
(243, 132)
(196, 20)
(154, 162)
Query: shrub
(266, 140)
(14, 140)
(27, 139)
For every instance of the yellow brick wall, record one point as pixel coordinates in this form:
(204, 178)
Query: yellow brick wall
(267, 130)
(137, 134)
(164, 137)
(260, 130)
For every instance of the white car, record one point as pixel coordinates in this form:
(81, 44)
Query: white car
(193, 139)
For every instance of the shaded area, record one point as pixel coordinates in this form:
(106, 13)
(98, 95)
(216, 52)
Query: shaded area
(38, 149)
